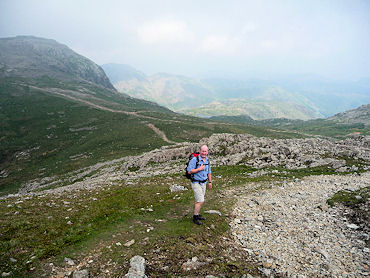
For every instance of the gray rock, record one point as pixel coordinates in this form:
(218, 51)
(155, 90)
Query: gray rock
(69, 261)
(266, 271)
(352, 226)
(213, 212)
(323, 253)
(84, 273)
(175, 188)
(192, 264)
(137, 268)
(129, 243)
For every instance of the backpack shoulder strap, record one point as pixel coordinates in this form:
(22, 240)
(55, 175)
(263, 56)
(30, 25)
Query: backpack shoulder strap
(196, 166)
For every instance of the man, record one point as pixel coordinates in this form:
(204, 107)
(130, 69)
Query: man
(200, 170)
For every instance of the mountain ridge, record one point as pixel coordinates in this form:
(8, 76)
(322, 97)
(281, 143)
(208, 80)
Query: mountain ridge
(29, 56)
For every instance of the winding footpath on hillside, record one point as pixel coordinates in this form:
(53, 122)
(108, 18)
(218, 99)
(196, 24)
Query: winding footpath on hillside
(72, 96)
(293, 232)
(160, 133)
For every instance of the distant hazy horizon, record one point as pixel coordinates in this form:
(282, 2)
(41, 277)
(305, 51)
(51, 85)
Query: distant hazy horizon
(206, 38)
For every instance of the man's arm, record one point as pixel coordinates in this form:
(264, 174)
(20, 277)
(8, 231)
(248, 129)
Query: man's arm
(193, 171)
(209, 180)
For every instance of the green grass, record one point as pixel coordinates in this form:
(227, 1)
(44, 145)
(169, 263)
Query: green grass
(37, 228)
(350, 198)
(328, 128)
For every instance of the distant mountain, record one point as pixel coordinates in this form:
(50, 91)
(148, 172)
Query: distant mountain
(120, 72)
(328, 97)
(354, 116)
(257, 109)
(172, 91)
(30, 57)
(212, 97)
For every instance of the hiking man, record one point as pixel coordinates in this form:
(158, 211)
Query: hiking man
(200, 170)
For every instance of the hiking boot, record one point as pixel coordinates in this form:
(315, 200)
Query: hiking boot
(201, 217)
(196, 220)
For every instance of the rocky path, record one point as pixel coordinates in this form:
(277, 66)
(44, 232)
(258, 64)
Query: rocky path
(160, 133)
(293, 232)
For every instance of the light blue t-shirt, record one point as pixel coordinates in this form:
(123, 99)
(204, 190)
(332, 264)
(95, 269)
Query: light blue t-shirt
(201, 175)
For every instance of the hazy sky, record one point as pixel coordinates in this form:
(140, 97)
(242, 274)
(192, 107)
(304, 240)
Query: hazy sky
(328, 38)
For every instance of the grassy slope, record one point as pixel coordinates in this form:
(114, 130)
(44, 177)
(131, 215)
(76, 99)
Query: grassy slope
(35, 231)
(329, 128)
(57, 135)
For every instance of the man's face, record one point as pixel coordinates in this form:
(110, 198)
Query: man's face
(203, 152)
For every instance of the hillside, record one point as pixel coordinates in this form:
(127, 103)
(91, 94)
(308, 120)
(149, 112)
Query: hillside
(55, 121)
(342, 125)
(211, 97)
(96, 225)
(33, 57)
(360, 115)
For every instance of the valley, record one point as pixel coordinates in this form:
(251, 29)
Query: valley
(296, 97)
(91, 177)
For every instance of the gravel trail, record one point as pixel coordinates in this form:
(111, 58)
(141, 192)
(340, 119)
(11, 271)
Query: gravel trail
(293, 232)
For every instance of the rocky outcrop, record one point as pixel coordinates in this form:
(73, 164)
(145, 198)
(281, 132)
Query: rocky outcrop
(225, 149)
(232, 149)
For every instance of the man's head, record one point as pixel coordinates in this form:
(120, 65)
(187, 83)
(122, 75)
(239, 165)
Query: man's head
(204, 151)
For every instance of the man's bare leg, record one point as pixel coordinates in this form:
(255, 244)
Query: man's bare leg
(197, 207)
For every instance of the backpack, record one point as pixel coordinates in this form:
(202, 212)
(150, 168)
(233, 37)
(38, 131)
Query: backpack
(196, 154)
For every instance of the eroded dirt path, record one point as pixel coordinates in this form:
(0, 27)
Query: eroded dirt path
(160, 133)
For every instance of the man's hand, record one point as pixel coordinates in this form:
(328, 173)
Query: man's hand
(210, 185)
(201, 168)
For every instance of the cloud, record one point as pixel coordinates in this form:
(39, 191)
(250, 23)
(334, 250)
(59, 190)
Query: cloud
(249, 27)
(269, 44)
(164, 31)
(220, 45)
